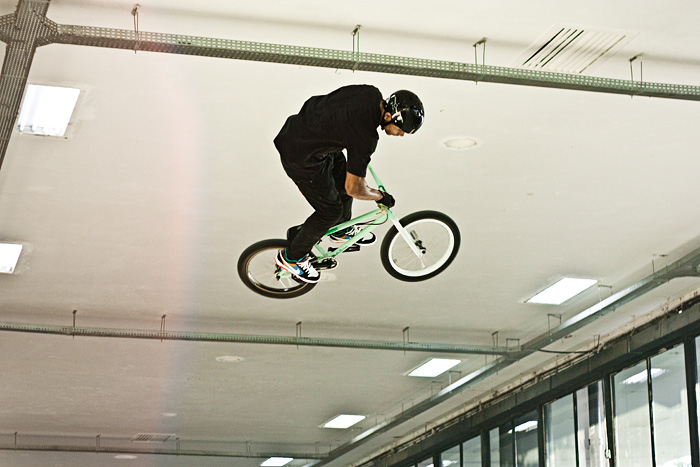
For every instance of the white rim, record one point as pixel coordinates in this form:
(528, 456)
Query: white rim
(428, 269)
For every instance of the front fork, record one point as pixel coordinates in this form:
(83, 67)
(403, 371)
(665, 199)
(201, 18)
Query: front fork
(411, 239)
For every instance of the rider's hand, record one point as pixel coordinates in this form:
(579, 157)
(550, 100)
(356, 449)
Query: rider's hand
(387, 200)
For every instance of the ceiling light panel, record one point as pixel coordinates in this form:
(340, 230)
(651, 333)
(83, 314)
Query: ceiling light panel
(277, 461)
(9, 255)
(47, 110)
(562, 291)
(344, 421)
(434, 367)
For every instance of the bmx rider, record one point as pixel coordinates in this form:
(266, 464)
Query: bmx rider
(311, 147)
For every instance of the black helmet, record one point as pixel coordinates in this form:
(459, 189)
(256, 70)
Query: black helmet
(406, 111)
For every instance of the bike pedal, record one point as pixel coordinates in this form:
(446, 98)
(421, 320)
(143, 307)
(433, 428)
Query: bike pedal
(326, 263)
(355, 247)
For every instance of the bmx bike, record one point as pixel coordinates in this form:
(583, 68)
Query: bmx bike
(417, 247)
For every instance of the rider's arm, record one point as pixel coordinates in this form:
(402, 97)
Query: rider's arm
(357, 188)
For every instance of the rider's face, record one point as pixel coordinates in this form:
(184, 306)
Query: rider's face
(393, 130)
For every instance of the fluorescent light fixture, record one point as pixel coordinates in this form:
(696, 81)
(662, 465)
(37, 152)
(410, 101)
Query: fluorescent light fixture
(277, 461)
(527, 426)
(229, 359)
(445, 463)
(523, 427)
(434, 367)
(9, 255)
(641, 377)
(344, 421)
(561, 291)
(46, 110)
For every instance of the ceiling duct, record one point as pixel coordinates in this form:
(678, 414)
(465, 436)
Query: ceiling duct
(572, 49)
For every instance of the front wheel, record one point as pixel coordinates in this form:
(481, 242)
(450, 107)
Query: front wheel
(433, 233)
(258, 271)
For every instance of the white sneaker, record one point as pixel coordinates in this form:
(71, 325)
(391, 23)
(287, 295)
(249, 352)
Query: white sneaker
(301, 269)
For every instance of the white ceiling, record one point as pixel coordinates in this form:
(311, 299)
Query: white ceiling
(168, 172)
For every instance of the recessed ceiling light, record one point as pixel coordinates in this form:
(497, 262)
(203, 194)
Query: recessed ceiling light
(9, 255)
(344, 421)
(125, 456)
(277, 461)
(434, 367)
(46, 110)
(562, 290)
(229, 359)
(460, 143)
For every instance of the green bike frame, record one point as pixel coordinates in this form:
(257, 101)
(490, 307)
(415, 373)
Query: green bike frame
(370, 221)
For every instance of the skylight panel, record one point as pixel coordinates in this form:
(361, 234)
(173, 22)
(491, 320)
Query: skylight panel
(434, 367)
(47, 110)
(9, 255)
(562, 291)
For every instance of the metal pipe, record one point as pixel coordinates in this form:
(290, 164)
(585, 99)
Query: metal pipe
(154, 451)
(21, 31)
(348, 60)
(253, 339)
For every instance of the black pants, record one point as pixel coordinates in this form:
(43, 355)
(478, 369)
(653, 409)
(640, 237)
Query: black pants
(325, 192)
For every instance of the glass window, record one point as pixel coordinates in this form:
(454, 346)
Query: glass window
(631, 417)
(426, 463)
(494, 447)
(471, 452)
(560, 437)
(526, 450)
(501, 446)
(450, 457)
(670, 409)
(697, 383)
(590, 430)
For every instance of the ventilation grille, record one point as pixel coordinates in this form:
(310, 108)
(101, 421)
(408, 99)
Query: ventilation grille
(152, 438)
(572, 49)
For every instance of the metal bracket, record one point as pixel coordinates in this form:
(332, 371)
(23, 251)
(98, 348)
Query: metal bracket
(135, 14)
(549, 324)
(356, 45)
(482, 43)
(641, 68)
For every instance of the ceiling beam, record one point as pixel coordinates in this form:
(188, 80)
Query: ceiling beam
(23, 31)
(356, 61)
(404, 346)
(124, 448)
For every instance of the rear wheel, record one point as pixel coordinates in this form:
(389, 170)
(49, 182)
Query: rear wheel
(433, 233)
(258, 271)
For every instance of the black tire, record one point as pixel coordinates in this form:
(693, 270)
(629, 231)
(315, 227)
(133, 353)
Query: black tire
(257, 270)
(435, 232)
